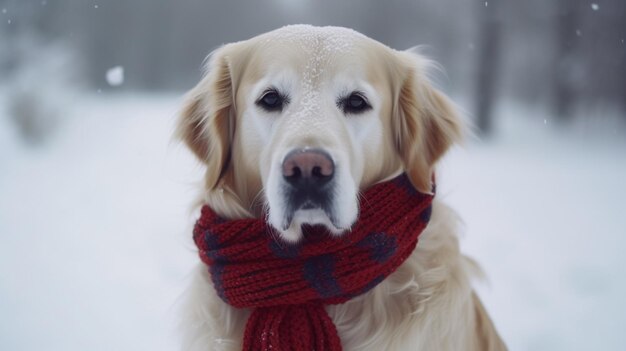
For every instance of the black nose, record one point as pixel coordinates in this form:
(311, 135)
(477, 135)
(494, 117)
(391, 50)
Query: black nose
(308, 169)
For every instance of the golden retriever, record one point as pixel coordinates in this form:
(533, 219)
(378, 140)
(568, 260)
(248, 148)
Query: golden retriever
(372, 112)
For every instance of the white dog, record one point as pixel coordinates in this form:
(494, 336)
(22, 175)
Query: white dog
(371, 113)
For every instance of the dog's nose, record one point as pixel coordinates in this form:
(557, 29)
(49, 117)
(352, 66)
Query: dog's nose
(308, 168)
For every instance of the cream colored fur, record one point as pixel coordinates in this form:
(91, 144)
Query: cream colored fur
(428, 303)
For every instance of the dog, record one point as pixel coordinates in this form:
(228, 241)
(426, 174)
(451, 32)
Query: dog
(359, 111)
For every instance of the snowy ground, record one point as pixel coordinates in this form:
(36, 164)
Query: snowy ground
(95, 242)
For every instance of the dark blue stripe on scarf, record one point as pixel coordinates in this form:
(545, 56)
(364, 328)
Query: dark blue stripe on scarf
(381, 246)
(318, 272)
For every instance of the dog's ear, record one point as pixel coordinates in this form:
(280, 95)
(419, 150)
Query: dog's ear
(425, 123)
(207, 122)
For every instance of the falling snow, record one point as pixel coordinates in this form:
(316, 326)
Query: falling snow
(595, 6)
(115, 76)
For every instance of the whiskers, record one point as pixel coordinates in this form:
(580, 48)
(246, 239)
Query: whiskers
(274, 234)
(256, 202)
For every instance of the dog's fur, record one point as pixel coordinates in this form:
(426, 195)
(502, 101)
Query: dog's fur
(428, 303)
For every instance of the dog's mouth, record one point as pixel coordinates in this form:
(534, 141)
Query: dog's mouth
(309, 210)
(309, 207)
(312, 215)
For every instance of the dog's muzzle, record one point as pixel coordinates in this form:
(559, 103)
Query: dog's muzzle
(308, 176)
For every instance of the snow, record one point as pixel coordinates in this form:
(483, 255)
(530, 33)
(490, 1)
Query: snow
(95, 229)
(544, 216)
(94, 247)
(595, 6)
(328, 39)
(115, 76)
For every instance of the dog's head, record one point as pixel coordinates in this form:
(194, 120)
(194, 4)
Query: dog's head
(302, 118)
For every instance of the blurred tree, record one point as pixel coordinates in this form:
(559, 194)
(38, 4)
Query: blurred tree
(40, 73)
(601, 79)
(488, 63)
(622, 57)
(567, 60)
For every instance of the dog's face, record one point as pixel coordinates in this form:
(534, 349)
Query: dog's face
(304, 118)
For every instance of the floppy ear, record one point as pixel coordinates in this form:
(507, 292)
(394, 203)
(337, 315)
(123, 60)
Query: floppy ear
(425, 123)
(206, 123)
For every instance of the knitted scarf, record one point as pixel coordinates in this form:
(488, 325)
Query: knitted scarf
(287, 285)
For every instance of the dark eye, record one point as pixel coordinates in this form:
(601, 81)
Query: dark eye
(355, 103)
(271, 100)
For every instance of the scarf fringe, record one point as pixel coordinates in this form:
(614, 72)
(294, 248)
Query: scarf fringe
(291, 328)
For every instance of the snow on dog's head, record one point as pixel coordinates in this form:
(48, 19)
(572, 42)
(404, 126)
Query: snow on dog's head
(293, 123)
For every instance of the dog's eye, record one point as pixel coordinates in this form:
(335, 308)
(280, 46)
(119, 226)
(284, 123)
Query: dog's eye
(355, 103)
(271, 101)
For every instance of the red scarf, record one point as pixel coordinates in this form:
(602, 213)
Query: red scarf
(287, 285)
